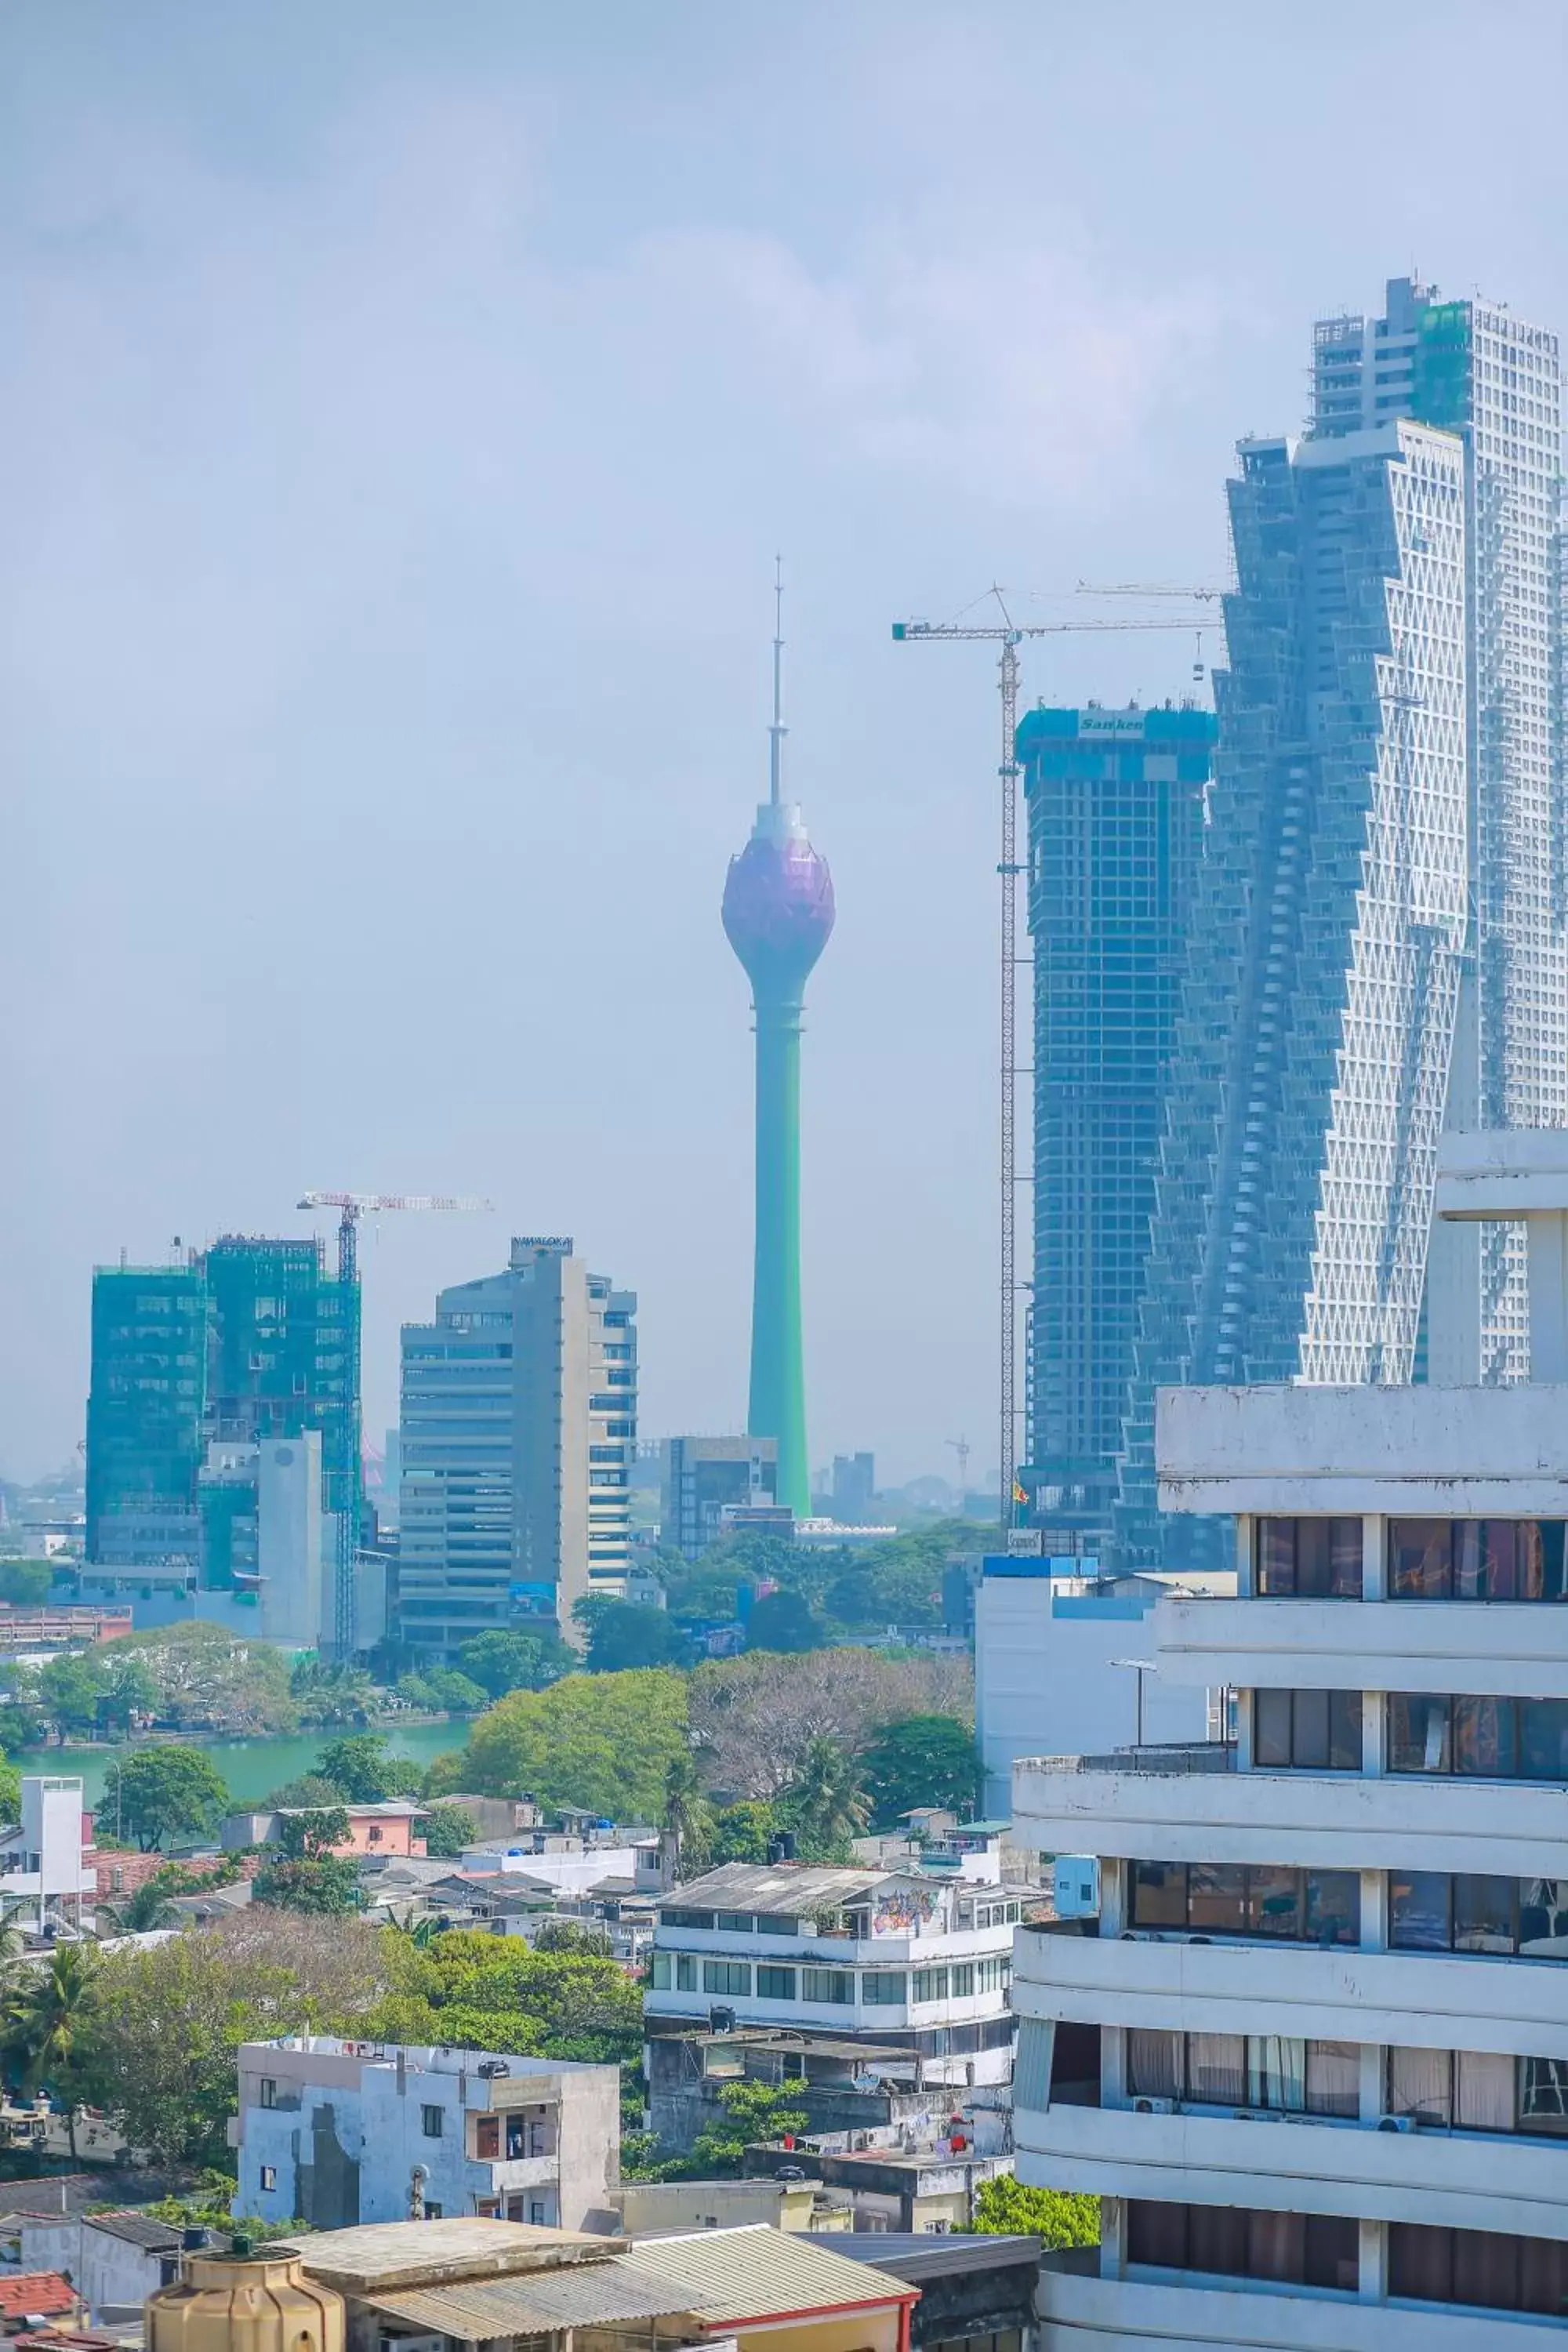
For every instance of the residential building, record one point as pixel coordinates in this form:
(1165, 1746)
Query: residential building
(34, 2299)
(221, 1429)
(774, 2291)
(705, 1478)
(48, 1865)
(854, 1491)
(1327, 939)
(977, 2291)
(1070, 1659)
(114, 2259)
(662, 2209)
(898, 2183)
(1116, 804)
(1312, 2052)
(1478, 370)
(332, 2131)
(907, 1965)
(391, 1827)
(517, 1431)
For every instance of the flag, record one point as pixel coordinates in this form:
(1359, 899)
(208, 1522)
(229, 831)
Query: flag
(1020, 1494)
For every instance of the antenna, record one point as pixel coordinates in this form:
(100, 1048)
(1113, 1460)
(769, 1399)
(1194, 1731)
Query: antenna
(778, 731)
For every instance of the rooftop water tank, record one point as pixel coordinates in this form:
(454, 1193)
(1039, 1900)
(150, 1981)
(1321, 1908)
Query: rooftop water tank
(243, 2303)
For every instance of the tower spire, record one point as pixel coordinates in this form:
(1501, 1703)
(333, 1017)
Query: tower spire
(778, 731)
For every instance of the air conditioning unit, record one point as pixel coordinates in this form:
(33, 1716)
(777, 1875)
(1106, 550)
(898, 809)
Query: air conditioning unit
(1397, 2123)
(1153, 2106)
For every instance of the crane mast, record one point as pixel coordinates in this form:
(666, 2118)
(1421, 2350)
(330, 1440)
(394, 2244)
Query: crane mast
(1008, 635)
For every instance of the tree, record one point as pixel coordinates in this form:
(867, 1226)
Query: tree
(625, 1635)
(47, 2024)
(458, 1694)
(24, 1583)
(10, 1794)
(604, 1741)
(740, 1832)
(448, 1829)
(753, 2113)
(504, 1661)
(307, 1836)
(783, 1620)
(828, 1799)
(172, 2016)
(687, 1818)
(71, 1689)
(489, 1992)
(578, 1937)
(753, 1716)
(309, 1791)
(363, 1770)
(128, 1689)
(326, 1884)
(206, 1680)
(922, 1759)
(332, 1695)
(1007, 2208)
(163, 1793)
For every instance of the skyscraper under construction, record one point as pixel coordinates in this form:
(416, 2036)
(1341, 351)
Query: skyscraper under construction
(778, 915)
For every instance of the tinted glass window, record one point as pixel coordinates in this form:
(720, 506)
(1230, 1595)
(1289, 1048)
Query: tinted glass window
(1272, 1728)
(1332, 1907)
(1160, 1894)
(1216, 1897)
(1484, 1737)
(1418, 1733)
(1420, 1560)
(1419, 1908)
(1486, 1914)
(1274, 1901)
(1543, 1739)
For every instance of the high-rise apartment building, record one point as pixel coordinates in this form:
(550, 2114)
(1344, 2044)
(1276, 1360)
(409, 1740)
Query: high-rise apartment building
(1327, 940)
(706, 1479)
(203, 1376)
(516, 1439)
(1116, 802)
(1312, 2051)
(1474, 369)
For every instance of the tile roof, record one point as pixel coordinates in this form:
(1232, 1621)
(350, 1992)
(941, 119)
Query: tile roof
(34, 2295)
(741, 2276)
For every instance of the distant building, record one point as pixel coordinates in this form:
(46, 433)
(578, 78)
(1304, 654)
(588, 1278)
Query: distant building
(331, 2132)
(854, 1485)
(222, 1421)
(46, 1866)
(518, 1429)
(1116, 804)
(706, 1478)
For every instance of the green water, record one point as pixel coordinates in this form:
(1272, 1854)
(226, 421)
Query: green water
(252, 1767)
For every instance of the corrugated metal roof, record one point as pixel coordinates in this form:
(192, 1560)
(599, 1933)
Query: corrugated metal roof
(590, 2295)
(789, 1887)
(755, 2272)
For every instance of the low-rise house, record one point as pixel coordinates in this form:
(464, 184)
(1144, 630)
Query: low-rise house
(33, 2296)
(114, 2259)
(47, 1866)
(977, 2293)
(340, 2132)
(777, 2292)
(395, 1826)
(660, 2209)
(893, 2187)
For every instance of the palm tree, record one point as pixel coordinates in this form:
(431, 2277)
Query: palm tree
(827, 1798)
(149, 1905)
(47, 2020)
(687, 1818)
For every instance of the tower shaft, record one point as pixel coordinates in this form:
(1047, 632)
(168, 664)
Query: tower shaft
(778, 1361)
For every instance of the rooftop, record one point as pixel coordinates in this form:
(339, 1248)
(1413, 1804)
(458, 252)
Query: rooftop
(381, 2255)
(793, 1888)
(755, 2272)
(36, 2294)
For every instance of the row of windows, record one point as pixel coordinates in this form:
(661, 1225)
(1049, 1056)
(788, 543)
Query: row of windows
(1481, 1736)
(1428, 1559)
(1436, 1911)
(1448, 2090)
(769, 1923)
(1482, 2268)
(1234, 1898)
(879, 1988)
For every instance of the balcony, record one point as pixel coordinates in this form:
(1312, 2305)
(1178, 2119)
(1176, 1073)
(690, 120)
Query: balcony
(1422, 2000)
(1124, 1807)
(1498, 1647)
(1085, 2314)
(1464, 2180)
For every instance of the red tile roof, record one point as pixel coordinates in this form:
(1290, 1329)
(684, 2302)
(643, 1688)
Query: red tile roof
(31, 2294)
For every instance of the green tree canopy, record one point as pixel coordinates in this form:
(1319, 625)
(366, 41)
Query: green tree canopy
(48, 2023)
(1007, 2208)
(309, 1789)
(162, 1795)
(604, 1741)
(506, 1660)
(24, 1583)
(827, 1801)
(448, 1828)
(363, 1769)
(623, 1634)
(206, 1680)
(922, 1759)
(491, 1992)
(305, 1836)
(784, 1620)
(325, 1883)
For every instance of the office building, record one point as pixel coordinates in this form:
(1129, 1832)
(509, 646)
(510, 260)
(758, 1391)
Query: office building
(330, 2133)
(778, 915)
(853, 1494)
(222, 1420)
(1116, 803)
(1312, 2051)
(1326, 945)
(707, 1480)
(517, 1434)
(1477, 370)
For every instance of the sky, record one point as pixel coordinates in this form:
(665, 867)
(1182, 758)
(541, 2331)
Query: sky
(400, 410)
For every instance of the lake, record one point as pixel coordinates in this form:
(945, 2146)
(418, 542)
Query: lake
(252, 1767)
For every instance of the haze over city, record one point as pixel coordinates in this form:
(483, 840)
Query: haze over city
(403, 412)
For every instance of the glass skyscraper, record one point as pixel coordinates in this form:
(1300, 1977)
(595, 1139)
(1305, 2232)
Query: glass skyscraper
(1327, 940)
(1115, 801)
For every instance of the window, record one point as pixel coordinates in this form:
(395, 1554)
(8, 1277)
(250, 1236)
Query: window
(769, 1924)
(1316, 1560)
(1214, 1899)
(775, 1984)
(885, 1988)
(487, 2138)
(268, 2091)
(1479, 1737)
(658, 1972)
(372, 1834)
(1295, 2249)
(931, 1984)
(1479, 2267)
(1268, 2072)
(1307, 1730)
(962, 1981)
(536, 2212)
(685, 1972)
(834, 1985)
(1477, 1559)
(1478, 2090)
(738, 1922)
(994, 1975)
(727, 1976)
(430, 2122)
(686, 1918)
(268, 2177)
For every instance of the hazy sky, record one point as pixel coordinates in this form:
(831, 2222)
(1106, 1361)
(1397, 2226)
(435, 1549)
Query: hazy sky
(400, 406)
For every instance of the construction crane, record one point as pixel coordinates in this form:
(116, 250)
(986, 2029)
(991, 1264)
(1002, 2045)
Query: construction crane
(1007, 635)
(347, 1495)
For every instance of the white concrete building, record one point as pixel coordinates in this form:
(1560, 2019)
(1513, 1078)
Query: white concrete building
(1315, 2059)
(333, 2132)
(1067, 1660)
(46, 1858)
(910, 1959)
